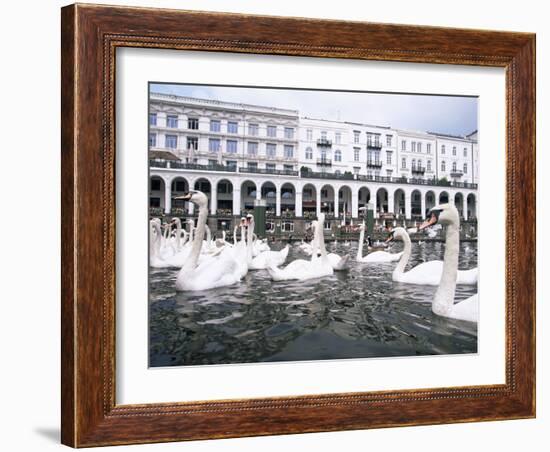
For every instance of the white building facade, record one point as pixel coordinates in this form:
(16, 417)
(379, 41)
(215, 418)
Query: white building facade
(239, 154)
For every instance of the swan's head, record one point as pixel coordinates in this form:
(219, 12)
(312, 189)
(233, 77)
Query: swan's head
(243, 222)
(176, 221)
(194, 196)
(249, 219)
(397, 233)
(443, 214)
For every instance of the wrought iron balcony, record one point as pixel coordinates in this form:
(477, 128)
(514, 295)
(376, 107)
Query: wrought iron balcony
(374, 163)
(323, 142)
(324, 162)
(374, 145)
(418, 170)
(457, 173)
(245, 169)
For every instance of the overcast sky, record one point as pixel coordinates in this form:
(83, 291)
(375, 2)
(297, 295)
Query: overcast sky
(444, 114)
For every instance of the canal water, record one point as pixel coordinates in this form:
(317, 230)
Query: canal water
(360, 313)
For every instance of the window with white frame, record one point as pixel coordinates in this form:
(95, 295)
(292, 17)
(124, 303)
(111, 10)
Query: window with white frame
(289, 133)
(429, 148)
(388, 157)
(413, 164)
(214, 144)
(454, 167)
(309, 153)
(356, 136)
(323, 134)
(193, 143)
(420, 163)
(443, 165)
(193, 123)
(388, 140)
(465, 168)
(152, 119)
(252, 148)
(337, 155)
(403, 163)
(442, 149)
(215, 125)
(454, 150)
(171, 141)
(231, 146)
(355, 154)
(338, 137)
(232, 127)
(272, 131)
(309, 135)
(403, 145)
(465, 152)
(253, 129)
(429, 165)
(152, 139)
(289, 151)
(419, 146)
(413, 146)
(287, 226)
(271, 149)
(172, 121)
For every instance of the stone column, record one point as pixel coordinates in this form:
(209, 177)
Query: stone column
(236, 201)
(423, 205)
(374, 200)
(336, 203)
(167, 196)
(298, 203)
(355, 204)
(391, 203)
(465, 207)
(213, 199)
(278, 201)
(318, 201)
(408, 206)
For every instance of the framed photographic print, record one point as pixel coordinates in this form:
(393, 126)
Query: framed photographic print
(281, 225)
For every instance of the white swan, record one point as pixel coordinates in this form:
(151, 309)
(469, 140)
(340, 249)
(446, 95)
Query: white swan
(443, 303)
(338, 262)
(264, 258)
(214, 272)
(427, 273)
(301, 269)
(375, 256)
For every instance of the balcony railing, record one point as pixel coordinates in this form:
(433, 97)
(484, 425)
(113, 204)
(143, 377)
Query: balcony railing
(313, 174)
(209, 167)
(418, 170)
(246, 169)
(323, 142)
(375, 145)
(457, 173)
(324, 162)
(374, 163)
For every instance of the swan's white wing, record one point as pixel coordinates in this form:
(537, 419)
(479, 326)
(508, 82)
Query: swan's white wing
(467, 309)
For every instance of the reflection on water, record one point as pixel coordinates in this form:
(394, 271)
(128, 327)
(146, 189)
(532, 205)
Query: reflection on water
(355, 314)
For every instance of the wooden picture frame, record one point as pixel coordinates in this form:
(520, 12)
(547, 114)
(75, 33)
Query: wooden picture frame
(90, 37)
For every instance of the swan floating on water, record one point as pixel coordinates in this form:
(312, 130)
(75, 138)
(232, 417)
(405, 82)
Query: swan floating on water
(443, 303)
(302, 269)
(223, 270)
(427, 273)
(266, 257)
(375, 256)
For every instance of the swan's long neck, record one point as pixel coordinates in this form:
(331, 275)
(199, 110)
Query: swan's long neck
(444, 296)
(321, 242)
(178, 235)
(198, 237)
(155, 243)
(315, 243)
(249, 239)
(400, 268)
(360, 247)
(208, 235)
(235, 235)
